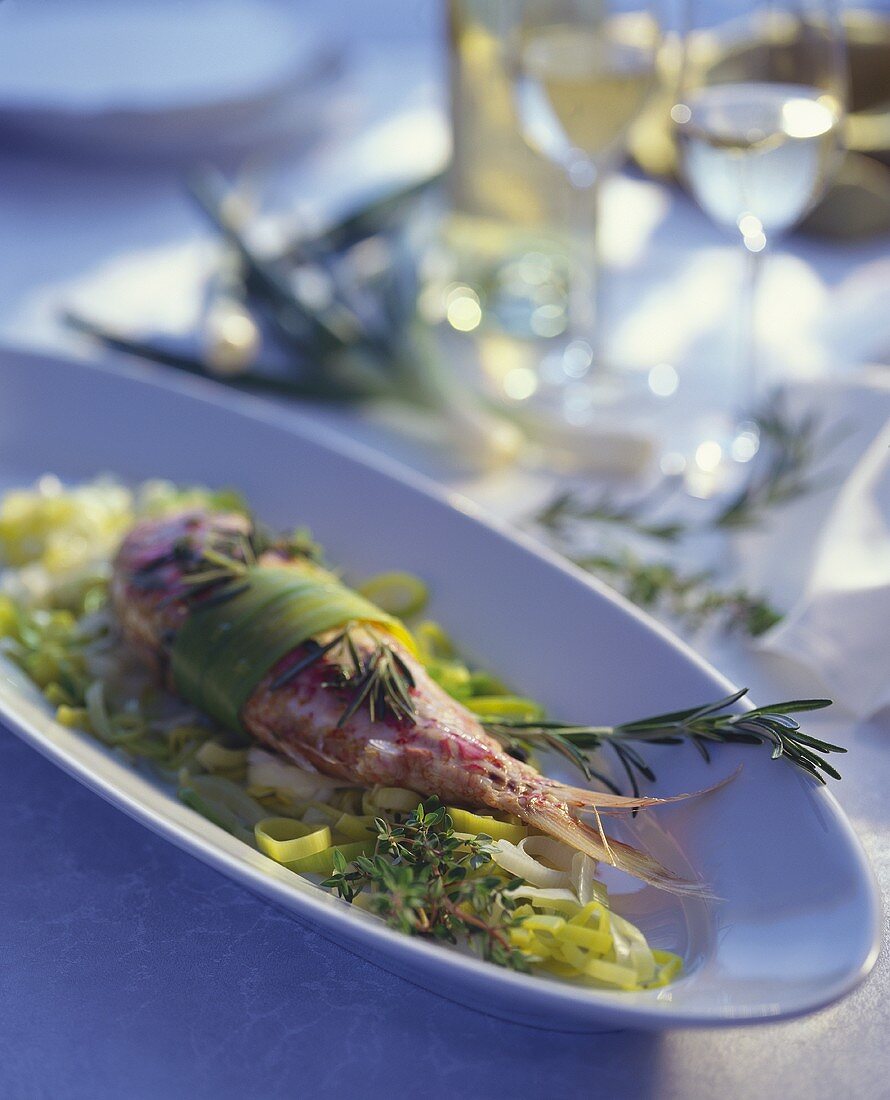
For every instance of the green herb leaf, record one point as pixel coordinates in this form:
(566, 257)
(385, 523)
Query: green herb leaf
(711, 723)
(424, 880)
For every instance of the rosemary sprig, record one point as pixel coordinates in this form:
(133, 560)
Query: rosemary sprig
(425, 881)
(788, 470)
(333, 327)
(702, 726)
(308, 384)
(693, 598)
(212, 571)
(217, 568)
(335, 353)
(360, 223)
(330, 328)
(783, 471)
(377, 678)
(568, 507)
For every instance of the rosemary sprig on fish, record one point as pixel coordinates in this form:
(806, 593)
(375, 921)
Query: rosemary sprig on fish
(713, 723)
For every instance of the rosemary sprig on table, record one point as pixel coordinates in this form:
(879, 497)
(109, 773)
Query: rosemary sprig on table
(335, 351)
(325, 325)
(702, 726)
(693, 598)
(309, 385)
(792, 449)
(567, 508)
(424, 881)
(784, 471)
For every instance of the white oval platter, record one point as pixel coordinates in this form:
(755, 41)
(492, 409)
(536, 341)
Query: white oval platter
(796, 923)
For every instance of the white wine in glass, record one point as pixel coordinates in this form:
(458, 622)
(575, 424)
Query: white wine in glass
(768, 149)
(580, 89)
(758, 118)
(582, 70)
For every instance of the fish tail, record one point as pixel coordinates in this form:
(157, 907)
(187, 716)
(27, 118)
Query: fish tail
(609, 803)
(553, 818)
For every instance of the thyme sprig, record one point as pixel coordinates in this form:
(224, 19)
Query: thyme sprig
(425, 881)
(703, 726)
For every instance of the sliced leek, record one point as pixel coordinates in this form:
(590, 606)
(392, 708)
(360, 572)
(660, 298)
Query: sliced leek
(586, 942)
(475, 824)
(322, 863)
(399, 594)
(354, 826)
(391, 799)
(287, 840)
(218, 759)
(505, 706)
(224, 803)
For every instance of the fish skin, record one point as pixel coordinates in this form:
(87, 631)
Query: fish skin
(444, 751)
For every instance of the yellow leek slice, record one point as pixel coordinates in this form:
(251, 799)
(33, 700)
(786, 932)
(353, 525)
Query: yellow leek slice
(394, 799)
(399, 594)
(610, 972)
(588, 938)
(322, 863)
(433, 642)
(504, 706)
(286, 840)
(466, 822)
(669, 966)
(543, 923)
(355, 826)
(217, 758)
(452, 676)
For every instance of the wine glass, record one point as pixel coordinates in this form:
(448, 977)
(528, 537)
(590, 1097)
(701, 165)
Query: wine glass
(582, 71)
(758, 120)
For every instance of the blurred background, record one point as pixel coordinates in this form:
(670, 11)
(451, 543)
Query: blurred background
(617, 270)
(139, 140)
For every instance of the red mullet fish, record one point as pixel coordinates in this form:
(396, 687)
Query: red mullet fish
(438, 747)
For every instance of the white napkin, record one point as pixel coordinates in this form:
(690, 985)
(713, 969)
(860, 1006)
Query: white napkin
(839, 627)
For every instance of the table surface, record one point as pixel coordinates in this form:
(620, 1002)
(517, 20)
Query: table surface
(129, 969)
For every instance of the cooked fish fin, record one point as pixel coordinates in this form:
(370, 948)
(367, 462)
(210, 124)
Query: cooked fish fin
(556, 821)
(608, 803)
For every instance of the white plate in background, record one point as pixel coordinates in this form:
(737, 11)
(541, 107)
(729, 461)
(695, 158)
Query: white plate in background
(142, 76)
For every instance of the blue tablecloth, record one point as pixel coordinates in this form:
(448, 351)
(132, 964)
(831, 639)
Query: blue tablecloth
(129, 969)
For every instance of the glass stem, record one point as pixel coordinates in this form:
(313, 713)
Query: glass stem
(747, 380)
(585, 328)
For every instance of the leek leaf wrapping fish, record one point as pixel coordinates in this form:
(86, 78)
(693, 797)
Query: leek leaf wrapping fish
(269, 643)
